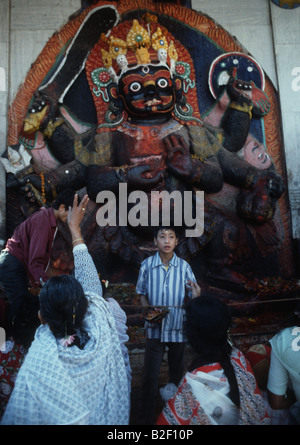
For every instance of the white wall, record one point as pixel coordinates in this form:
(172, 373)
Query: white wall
(249, 22)
(4, 50)
(286, 32)
(25, 28)
(33, 22)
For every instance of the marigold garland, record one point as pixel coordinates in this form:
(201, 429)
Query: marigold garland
(43, 187)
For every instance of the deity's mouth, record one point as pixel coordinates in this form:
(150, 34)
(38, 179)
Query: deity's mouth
(152, 102)
(142, 159)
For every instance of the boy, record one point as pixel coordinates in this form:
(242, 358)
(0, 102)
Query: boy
(26, 257)
(162, 281)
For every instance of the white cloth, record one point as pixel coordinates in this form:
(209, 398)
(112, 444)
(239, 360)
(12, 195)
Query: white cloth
(90, 282)
(120, 319)
(211, 391)
(203, 397)
(66, 385)
(285, 362)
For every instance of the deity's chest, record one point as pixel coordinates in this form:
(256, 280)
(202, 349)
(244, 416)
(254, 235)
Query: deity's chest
(143, 141)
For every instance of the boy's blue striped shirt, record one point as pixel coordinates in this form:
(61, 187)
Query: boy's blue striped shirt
(165, 288)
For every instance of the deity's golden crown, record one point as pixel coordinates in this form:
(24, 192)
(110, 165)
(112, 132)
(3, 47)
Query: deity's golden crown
(140, 48)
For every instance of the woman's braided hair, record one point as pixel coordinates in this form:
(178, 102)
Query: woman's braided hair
(208, 321)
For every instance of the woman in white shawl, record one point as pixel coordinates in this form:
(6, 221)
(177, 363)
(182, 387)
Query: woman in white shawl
(74, 372)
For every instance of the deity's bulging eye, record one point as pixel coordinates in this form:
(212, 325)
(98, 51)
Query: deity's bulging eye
(147, 92)
(135, 87)
(162, 82)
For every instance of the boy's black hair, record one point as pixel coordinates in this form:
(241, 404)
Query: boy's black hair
(66, 198)
(158, 228)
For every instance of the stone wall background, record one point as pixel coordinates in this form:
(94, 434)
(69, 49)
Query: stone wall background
(271, 35)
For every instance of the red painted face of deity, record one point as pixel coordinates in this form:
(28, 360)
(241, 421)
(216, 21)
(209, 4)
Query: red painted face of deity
(147, 92)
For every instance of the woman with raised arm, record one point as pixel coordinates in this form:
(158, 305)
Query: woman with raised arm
(74, 372)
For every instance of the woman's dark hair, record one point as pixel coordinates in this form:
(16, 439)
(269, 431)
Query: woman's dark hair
(208, 321)
(63, 305)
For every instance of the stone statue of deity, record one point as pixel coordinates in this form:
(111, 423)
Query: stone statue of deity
(129, 113)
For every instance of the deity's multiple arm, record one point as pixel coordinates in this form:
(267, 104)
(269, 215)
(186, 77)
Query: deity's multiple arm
(195, 155)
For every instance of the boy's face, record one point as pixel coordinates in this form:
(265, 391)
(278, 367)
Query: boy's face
(63, 213)
(166, 240)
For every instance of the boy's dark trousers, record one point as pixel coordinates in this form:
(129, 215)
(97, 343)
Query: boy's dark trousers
(154, 352)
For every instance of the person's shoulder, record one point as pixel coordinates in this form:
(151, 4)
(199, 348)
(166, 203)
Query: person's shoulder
(181, 262)
(286, 334)
(285, 340)
(42, 213)
(186, 263)
(42, 220)
(147, 262)
(36, 219)
(286, 346)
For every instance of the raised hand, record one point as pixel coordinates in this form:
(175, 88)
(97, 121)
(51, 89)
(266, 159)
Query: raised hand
(179, 160)
(260, 101)
(75, 217)
(194, 288)
(41, 114)
(239, 90)
(258, 204)
(242, 91)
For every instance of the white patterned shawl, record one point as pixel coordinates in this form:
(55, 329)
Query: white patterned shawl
(66, 385)
(202, 398)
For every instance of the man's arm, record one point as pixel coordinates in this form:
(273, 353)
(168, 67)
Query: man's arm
(141, 287)
(39, 240)
(144, 300)
(279, 395)
(281, 402)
